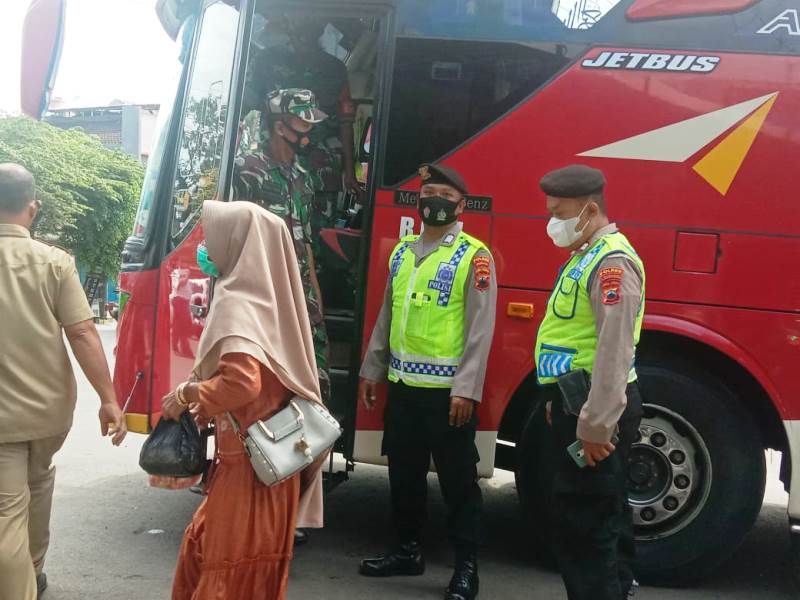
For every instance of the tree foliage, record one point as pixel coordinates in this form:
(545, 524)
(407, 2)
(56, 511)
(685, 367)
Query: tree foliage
(89, 193)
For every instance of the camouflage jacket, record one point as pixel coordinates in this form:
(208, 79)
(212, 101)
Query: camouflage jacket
(288, 191)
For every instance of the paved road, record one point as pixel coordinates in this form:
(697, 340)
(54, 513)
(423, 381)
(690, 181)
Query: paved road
(113, 537)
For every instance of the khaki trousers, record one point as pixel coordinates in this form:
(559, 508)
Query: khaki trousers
(27, 476)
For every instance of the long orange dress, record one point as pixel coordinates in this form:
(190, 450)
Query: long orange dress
(240, 541)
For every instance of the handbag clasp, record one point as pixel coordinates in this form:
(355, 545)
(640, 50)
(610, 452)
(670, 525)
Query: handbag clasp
(269, 433)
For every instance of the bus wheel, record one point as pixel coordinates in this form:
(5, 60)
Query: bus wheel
(696, 475)
(533, 477)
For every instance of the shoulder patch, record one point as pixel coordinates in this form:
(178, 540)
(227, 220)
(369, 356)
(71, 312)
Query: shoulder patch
(482, 272)
(610, 282)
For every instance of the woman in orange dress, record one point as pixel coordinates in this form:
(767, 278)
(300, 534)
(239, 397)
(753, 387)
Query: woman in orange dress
(256, 353)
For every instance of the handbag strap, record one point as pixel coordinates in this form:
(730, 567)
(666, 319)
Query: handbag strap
(236, 429)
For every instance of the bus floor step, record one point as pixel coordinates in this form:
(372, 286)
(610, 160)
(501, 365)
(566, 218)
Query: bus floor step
(332, 479)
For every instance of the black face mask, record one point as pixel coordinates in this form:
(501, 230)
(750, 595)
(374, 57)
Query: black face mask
(297, 146)
(436, 210)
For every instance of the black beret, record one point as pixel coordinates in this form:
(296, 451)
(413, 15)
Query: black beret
(442, 175)
(574, 181)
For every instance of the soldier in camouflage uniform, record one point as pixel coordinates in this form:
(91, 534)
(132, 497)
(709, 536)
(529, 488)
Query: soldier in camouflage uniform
(274, 178)
(298, 61)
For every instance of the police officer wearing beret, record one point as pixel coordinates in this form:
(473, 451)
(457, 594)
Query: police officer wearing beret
(432, 342)
(585, 364)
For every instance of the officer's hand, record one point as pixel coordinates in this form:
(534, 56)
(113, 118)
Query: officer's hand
(460, 411)
(548, 413)
(112, 422)
(366, 393)
(596, 453)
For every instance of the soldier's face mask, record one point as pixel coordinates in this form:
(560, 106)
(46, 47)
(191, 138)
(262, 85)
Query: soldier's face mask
(437, 210)
(301, 143)
(562, 231)
(206, 265)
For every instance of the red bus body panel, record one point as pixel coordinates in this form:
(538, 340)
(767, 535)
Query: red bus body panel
(157, 333)
(134, 350)
(733, 288)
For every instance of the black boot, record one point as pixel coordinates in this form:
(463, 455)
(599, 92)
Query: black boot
(464, 583)
(41, 584)
(405, 559)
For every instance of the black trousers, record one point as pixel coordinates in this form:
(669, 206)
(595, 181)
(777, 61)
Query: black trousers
(416, 428)
(592, 523)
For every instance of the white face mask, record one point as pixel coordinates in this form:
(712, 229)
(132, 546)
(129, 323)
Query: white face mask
(562, 231)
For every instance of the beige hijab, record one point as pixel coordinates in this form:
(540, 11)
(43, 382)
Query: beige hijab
(258, 307)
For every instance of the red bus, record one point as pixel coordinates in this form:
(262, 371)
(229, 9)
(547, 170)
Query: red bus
(690, 108)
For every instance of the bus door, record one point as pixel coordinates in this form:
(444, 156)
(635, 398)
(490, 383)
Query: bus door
(336, 51)
(237, 52)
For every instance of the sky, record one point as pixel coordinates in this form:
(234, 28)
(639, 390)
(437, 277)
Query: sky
(113, 49)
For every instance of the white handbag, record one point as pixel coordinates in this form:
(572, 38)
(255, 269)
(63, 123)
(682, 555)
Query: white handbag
(290, 440)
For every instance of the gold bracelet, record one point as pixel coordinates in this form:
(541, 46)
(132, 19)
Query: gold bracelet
(179, 395)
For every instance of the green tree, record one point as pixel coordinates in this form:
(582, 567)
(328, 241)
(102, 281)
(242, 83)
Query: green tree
(89, 193)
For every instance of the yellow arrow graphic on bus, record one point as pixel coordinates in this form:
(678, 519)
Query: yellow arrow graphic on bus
(682, 140)
(723, 162)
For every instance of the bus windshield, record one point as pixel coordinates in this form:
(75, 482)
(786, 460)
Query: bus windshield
(161, 132)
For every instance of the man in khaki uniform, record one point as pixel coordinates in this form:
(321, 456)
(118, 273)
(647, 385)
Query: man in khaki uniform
(40, 294)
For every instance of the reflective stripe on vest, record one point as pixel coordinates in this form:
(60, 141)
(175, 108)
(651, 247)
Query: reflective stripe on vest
(426, 338)
(567, 338)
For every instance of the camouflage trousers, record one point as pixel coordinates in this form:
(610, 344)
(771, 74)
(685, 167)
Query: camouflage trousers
(322, 350)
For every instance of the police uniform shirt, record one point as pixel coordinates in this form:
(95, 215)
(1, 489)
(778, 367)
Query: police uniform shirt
(615, 306)
(479, 316)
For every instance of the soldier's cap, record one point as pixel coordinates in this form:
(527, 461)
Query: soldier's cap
(574, 181)
(295, 101)
(442, 175)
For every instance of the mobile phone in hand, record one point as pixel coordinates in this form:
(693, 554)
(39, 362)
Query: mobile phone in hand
(577, 453)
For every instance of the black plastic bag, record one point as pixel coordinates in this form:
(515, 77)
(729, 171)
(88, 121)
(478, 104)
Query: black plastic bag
(174, 449)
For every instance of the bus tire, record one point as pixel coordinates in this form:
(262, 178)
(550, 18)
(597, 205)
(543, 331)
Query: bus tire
(705, 471)
(706, 528)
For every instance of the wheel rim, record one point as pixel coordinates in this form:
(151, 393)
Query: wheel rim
(669, 474)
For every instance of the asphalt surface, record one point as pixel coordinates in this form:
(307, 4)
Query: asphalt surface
(114, 537)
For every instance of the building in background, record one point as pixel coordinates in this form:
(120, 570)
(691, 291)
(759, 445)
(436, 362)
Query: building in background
(126, 127)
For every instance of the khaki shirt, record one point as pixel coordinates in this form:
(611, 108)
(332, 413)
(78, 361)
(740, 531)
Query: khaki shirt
(614, 325)
(479, 317)
(40, 293)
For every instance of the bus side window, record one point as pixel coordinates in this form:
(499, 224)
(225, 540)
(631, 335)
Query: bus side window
(204, 118)
(446, 91)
